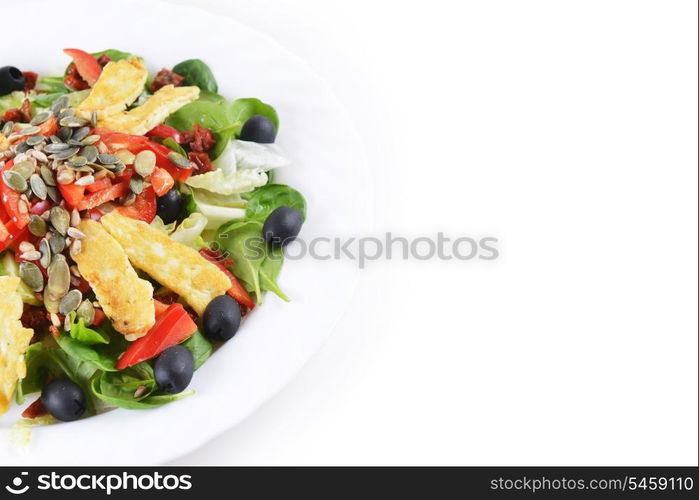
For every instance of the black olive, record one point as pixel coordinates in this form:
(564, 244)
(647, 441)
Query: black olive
(221, 318)
(260, 129)
(11, 79)
(282, 226)
(64, 399)
(174, 369)
(171, 206)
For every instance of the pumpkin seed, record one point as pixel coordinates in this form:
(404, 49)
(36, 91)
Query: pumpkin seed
(107, 159)
(22, 148)
(55, 139)
(38, 186)
(39, 155)
(66, 153)
(125, 156)
(144, 163)
(70, 302)
(73, 122)
(54, 194)
(91, 139)
(81, 133)
(25, 246)
(56, 147)
(130, 199)
(136, 185)
(90, 153)
(64, 133)
(15, 181)
(35, 140)
(60, 220)
(45, 250)
(78, 161)
(59, 105)
(86, 311)
(33, 255)
(24, 168)
(179, 160)
(50, 304)
(59, 278)
(31, 130)
(37, 226)
(119, 168)
(40, 118)
(47, 175)
(73, 142)
(86, 180)
(7, 128)
(65, 176)
(57, 243)
(31, 275)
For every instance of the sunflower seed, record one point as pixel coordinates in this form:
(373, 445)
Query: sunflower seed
(125, 156)
(102, 172)
(47, 175)
(38, 186)
(74, 218)
(107, 159)
(25, 246)
(78, 161)
(119, 168)
(66, 153)
(31, 130)
(31, 275)
(37, 226)
(60, 220)
(7, 128)
(93, 118)
(75, 271)
(70, 302)
(136, 185)
(75, 248)
(35, 140)
(45, 250)
(59, 278)
(75, 233)
(86, 311)
(64, 133)
(130, 199)
(57, 243)
(140, 391)
(145, 163)
(73, 122)
(67, 321)
(55, 320)
(65, 176)
(179, 160)
(24, 168)
(33, 255)
(15, 180)
(85, 180)
(56, 147)
(40, 118)
(60, 104)
(91, 139)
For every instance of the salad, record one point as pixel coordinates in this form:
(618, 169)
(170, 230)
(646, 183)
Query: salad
(139, 225)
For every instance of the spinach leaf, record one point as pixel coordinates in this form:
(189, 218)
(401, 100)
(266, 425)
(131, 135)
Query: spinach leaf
(172, 144)
(94, 355)
(205, 95)
(265, 199)
(52, 85)
(269, 271)
(196, 72)
(200, 348)
(246, 108)
(86, 335)
(120, 388)
(244, 243)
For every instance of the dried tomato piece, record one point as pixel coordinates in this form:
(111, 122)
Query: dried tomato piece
(30, 79)
(26, 111)
(202, 162)
(73, 78)
(12, 115)
(34, 318)
(34, 410)
(166, 77)
(103, 60)
(200, 139)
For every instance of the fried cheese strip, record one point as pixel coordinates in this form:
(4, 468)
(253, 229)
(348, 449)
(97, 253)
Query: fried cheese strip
(14, 340)
(153, 112)
(118, 86)
(125, 298)
(172, 264)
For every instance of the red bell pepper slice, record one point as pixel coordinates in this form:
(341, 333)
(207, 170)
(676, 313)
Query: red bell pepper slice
(87, 65)
(166, 132)
(162, 181)
(99, 185)
(10, 202)
(99, 317)
(144, 208)
(49, 127)
(237, 290)
(72, 194)
(171, 328)
(96, 199)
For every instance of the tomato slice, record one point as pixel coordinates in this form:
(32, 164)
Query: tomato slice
(96, 199)
(72, 194)
(170, 328)
(144, 208)
(161, 181)
(237, 290)
(86, 64)
(11, 200)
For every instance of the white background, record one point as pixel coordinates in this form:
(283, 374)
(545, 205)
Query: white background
(568, 129)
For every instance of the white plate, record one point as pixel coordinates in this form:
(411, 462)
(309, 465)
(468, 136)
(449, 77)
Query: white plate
(328, 167)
